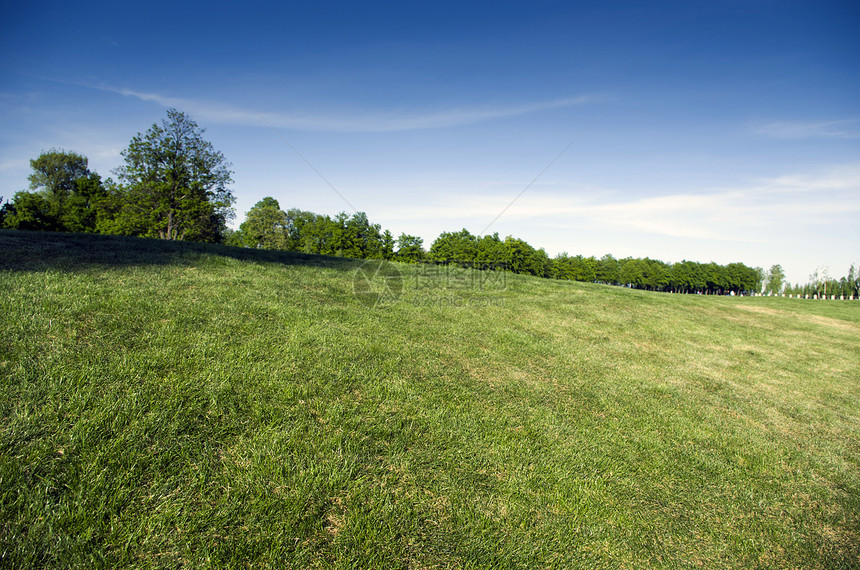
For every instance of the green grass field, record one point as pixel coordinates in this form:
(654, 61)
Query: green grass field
(171, 405)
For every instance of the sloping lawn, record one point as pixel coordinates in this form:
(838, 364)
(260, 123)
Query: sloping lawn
(168, 405)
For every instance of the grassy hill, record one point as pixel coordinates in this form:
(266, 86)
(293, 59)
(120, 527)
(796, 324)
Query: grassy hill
(167, 404)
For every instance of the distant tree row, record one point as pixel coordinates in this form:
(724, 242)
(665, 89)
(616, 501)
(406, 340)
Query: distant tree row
(172, 185)
(520, 257)
(820, 284)
(267, 226)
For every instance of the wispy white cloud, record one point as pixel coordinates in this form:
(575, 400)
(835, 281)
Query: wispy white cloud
(675, 215)
(759, 211)
(837, 179)
(378, 121)
(843, 129)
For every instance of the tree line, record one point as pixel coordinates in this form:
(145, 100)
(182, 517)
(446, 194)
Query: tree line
(174, 185)
(822, 284)
(267, 226)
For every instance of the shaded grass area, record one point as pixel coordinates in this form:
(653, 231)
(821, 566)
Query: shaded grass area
(224, 407)
(39, 251)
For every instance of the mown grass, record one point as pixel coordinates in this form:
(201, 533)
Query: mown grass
(167, 405)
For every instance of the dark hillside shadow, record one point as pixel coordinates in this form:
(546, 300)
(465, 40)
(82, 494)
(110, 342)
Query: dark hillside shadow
(37, 251)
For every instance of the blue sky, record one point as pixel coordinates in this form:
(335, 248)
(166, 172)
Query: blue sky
(709, 131)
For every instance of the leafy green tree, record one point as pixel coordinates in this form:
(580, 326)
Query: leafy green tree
(561, 268)
(490, 252)
(174, 184)
(64, 195)
(233, 237)
(83, 209)
(584, 268)
(715, 279)
(742, 279)
(697, 277)
(459, 247)
(541, 264)
(55, 175)
(633, 272)
(387, 244)
(410, 248)
(607, 270)
(820, 282)
(520, 256)
(645, 274)
(853, 280)
(337, 241)
(843, 287)
(266, 226)
(775, 278)
(31, 211)
(761, 280)
(301, 224)
(354, 236)
(363, 238)
(657, 275)
(315, 234)
(684, 278)
(344, 235)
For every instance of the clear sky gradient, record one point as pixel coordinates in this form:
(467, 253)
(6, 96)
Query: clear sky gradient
(708, 131)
